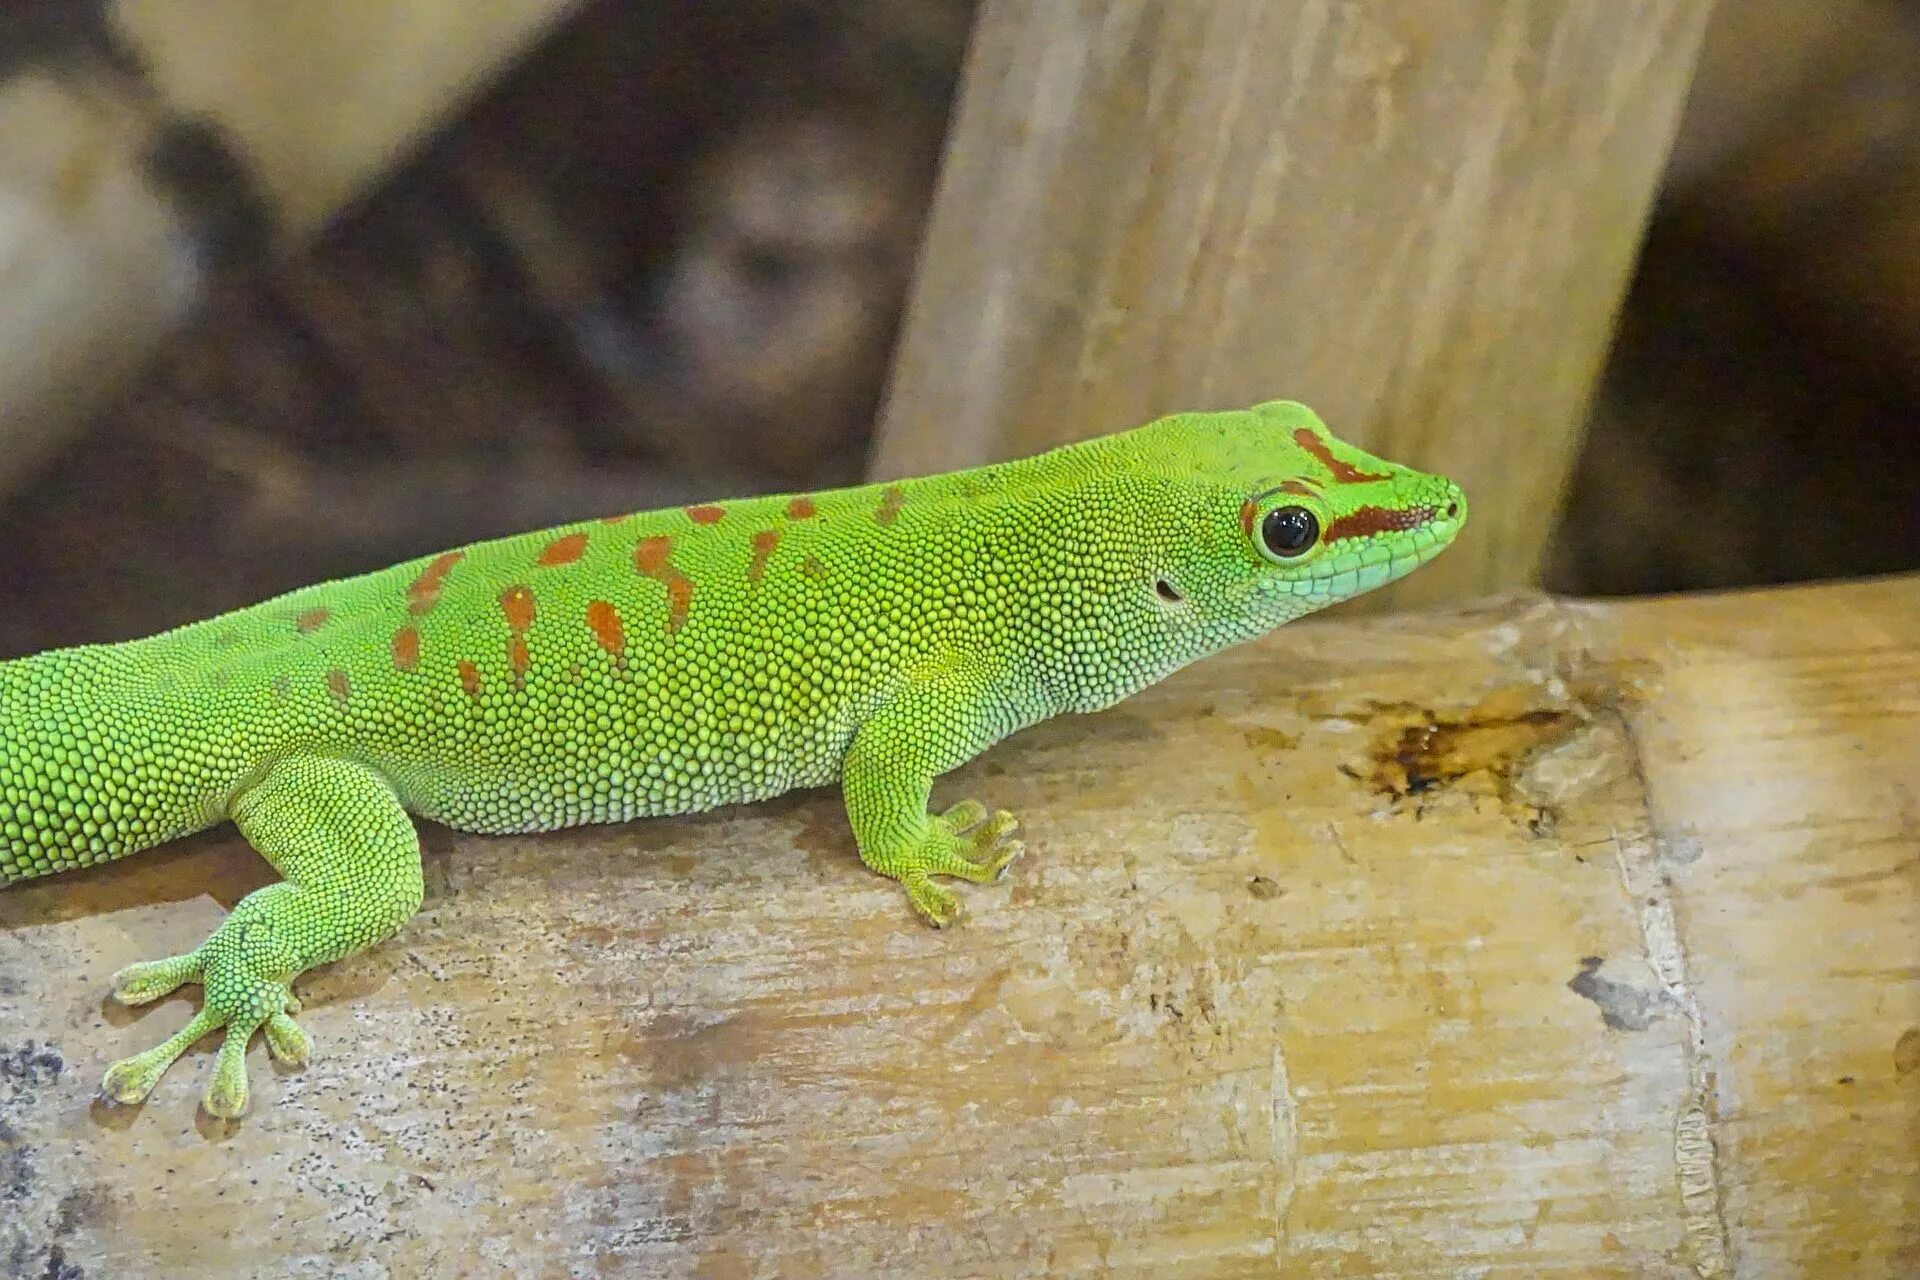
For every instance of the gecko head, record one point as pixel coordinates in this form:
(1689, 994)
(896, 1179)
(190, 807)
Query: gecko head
(1282, 519)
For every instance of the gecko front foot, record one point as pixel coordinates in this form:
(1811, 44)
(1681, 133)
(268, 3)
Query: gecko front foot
(237, 998)
(965, 843)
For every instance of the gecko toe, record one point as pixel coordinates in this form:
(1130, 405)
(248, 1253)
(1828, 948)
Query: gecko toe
(287, 1042)
(149, 980)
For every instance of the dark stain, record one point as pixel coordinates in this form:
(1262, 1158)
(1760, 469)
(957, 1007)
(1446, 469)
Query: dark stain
(1420, 757)
(1622, 1008)
(1491, 744)
(1906, 1052)
(1261, 887)
(1271, 739)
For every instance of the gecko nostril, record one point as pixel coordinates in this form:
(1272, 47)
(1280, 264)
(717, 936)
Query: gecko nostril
(1453, 509)
(1167, 591)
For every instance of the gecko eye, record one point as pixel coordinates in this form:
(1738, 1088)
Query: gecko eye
(1289, 531)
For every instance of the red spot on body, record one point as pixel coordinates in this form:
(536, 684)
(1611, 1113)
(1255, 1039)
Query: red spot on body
(1248, 510)
(518, 659)
(705, 514)
(425, 591)
(1296, 488)
(604, 621)
(763, 544)
(653, 558)
(562, 551)
(614, 519)
(469, 678)
(312, 619)
(516, 602)
(652, 553)
(338, 686)
(801, 508)
(890, 503)
(1344, 472)
(406, 648)
(679, 600)
(1367, 521)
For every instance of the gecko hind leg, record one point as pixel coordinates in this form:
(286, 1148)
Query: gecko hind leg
(351, 859)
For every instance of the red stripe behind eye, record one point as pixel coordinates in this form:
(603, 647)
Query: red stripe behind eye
(1367, 521)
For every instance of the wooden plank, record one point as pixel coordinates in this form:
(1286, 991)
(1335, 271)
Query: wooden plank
(1533, 939)
(1417, 219)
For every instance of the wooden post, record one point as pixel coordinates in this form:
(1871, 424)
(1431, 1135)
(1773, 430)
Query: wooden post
(140, 139)
(1416, 218)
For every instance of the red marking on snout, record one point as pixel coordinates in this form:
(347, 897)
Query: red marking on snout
(1344, 472)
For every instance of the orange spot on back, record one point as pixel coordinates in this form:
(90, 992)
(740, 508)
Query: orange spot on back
(604, 621)
(518, 659)
(406, 648)
(469, 678)
(1247, 511)
(562, 551)
(652, 553)
(425, 591)
(653, 557)
(312, 619)
(763, 544)
(1344, 472)
(679, 600)
(338, 686)
(705, 514)
(890, 503)
(801, 508)
(516, 602)
(614, 519)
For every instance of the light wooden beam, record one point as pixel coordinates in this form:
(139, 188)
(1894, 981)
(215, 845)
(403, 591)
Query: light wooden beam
(1535, 939)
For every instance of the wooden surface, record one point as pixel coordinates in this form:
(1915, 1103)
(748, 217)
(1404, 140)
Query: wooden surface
(1535, 939)
(1416, 218)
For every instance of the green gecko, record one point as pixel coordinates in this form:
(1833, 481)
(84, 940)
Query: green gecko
(668, 662)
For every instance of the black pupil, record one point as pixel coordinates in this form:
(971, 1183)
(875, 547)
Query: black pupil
(1289, 530)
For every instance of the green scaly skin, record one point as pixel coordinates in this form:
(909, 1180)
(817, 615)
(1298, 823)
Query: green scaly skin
(669, 662)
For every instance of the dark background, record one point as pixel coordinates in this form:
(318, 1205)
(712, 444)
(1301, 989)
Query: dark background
(664, 259)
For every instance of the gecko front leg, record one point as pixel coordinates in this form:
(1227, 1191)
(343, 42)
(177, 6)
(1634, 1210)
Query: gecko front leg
(935, 724)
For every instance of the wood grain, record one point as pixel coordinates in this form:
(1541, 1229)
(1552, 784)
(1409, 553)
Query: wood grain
(1534, 939)
(1418, 219)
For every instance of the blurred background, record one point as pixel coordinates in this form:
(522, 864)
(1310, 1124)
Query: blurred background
(559, 260)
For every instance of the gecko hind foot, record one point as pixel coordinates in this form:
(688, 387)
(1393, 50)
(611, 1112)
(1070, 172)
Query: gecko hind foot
(235, 1000)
